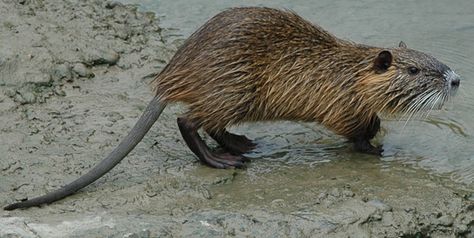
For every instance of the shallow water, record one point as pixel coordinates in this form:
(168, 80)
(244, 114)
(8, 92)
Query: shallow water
(441, 143)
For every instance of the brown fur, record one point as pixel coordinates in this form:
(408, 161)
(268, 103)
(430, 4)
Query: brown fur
(262, 64)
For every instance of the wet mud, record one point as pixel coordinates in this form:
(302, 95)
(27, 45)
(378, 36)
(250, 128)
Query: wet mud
(74, 77)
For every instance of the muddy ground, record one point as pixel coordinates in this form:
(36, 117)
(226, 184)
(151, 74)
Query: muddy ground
(74, 78)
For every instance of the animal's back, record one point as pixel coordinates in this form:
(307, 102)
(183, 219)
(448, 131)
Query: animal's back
(227, 69)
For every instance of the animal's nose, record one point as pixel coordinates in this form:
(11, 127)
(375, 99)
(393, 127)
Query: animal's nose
(455, 81)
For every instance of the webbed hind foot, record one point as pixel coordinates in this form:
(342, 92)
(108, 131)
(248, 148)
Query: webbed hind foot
(236, 144)
(189, 131)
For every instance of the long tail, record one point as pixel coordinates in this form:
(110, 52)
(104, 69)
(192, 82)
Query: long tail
(148, 118)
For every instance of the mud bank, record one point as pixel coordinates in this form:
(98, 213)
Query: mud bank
(74, 77)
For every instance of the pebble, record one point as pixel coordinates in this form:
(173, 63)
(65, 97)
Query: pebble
(446, 220)
(109, 57)
(22, 96)
(62, 71)
(379, 205)
(461, 228)
(82, 71)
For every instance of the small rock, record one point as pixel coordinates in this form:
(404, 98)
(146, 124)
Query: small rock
(335, 192)
(348, 193)
(82, 71)
(24, 97)
(387, 219)
(62, 71)
(446, 220)
(379, 205)
(40, 78)
(28, 97)
(461, 228)
(109, 57)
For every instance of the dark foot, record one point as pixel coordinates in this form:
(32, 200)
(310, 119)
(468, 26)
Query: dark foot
(224, 160)
(364, 146)
(190, 135)
(236, 144)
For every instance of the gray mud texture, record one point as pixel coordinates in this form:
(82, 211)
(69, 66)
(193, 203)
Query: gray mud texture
(74, 77)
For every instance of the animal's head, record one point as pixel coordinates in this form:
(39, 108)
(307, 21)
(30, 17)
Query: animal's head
(406, 80)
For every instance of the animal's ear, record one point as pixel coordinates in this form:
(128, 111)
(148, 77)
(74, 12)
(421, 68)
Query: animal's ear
(402, 45)
(383, 61)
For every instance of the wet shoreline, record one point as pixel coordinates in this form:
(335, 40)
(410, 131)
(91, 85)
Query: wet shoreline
(74, 77)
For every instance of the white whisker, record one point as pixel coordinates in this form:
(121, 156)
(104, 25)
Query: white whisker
(434, 102)
(418, 105)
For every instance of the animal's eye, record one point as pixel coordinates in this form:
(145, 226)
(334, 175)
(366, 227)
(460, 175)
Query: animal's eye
(413, 70)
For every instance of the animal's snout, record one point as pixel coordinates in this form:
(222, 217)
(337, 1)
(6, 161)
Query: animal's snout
(455, 81)
(452, 78)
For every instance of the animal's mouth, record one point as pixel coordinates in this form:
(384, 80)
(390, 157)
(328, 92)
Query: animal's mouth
(453, 91)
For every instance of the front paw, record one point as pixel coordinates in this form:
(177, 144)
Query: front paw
(367, 148)
(375, 150)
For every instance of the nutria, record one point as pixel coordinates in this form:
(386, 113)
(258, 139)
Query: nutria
(262, 64)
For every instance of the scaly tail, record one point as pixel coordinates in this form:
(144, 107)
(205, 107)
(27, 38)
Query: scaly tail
(148, 118)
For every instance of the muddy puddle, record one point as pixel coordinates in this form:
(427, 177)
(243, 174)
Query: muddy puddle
(74, 78)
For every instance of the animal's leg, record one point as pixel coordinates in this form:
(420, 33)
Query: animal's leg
(237, 144)
(362, 141)
(189, 131)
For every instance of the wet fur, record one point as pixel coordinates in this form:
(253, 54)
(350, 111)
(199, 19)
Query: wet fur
(261, 64)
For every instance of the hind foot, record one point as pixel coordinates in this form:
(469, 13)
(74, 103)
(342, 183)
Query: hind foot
(189, 131)
(236, 144)
(224, 160)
